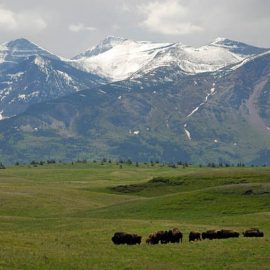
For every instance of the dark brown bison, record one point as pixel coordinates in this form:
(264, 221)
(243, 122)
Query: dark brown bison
(164, 237)
(253, 232)
(223, 234)
(176, 236)
(211, 234)
(126, 238)
(194, 236)
(154, 238)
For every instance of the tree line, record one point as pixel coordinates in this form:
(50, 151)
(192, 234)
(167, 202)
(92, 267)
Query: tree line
(129, 162)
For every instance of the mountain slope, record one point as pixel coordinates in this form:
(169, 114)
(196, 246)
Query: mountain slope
(30, 74)
(178, 103)
(39, 79)
(206, 117)
(16, 51)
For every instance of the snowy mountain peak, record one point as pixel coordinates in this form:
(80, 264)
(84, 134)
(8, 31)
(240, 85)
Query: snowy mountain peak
(21, 44)
(228, 43)
(105, 45)
(219, 40)
(237, 47)
(14, 52)
(25, 48)
(113, 40)
(118, 58)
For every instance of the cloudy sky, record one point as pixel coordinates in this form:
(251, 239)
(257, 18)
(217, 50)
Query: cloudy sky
(67, 27)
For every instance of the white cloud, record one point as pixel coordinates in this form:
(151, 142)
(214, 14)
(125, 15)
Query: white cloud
(168, 17)
(81, 27)
(20, 21)
(7, 19)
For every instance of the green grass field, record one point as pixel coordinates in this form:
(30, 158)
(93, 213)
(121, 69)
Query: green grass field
(63, 216)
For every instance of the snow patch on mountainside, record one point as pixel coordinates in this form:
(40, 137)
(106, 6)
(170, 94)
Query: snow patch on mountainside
(40, 62)
(25, 97)
(188, 134)
(3, 53)
(1, 116)
(249, 59)
(211, 93)
(195, 110)
(5, 92)
(43, 65)
(65, 76)
(16, 76)
(193, 60)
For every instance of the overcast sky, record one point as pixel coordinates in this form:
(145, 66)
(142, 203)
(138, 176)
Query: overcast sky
(68, 27)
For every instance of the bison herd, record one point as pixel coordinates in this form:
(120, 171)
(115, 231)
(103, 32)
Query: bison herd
(175, 236)
(164, 237)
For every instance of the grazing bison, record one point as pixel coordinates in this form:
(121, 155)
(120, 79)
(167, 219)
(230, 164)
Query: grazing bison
(194, 236)
(211, 234)
(126, 238)
(154, 238)
(164, 237)
(176, 236)
(223, 234)
(161, 236)
(253, 232)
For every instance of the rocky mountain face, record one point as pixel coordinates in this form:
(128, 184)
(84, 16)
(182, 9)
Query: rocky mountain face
(30, 75)
(14, 52)
(182, 104)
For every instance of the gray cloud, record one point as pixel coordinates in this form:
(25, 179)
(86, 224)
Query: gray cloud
(69, 27)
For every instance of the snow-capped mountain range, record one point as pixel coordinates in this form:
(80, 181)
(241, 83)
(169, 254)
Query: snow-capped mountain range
(136, 99)
(30, 74)
(118, 58)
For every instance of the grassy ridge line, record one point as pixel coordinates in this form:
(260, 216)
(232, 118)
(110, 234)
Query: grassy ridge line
(196, 205)
(70, 196)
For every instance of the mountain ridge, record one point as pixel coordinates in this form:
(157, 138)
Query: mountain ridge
(30, 74)
(178, 105)
(135, 55)
(113, 59)
(157, 122)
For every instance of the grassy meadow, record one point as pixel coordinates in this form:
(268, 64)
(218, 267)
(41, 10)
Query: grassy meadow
(62, 216)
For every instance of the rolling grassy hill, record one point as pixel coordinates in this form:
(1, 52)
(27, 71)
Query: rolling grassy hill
(63, 216)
